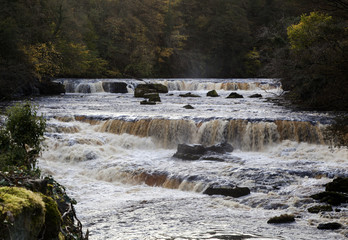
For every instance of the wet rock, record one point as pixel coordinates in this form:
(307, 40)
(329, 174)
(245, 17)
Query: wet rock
(190, 152)
(189, 95)
(195, 152)
(115, 87)
(235, 95)
(338, 185)
(329, 226)
(320, 208)
(152, 97)
(188, 107)
(257, 95)
(212, 93)
(333, 198)
(227, 191)
(285, 218)
(220, 148)
(146, 102)
(143, 89)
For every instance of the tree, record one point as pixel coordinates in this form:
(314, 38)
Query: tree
(315, 71)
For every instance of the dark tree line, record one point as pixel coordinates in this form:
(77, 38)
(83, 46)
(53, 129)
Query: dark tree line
(40, 39)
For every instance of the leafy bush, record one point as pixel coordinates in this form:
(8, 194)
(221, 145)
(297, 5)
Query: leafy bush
(20, 137)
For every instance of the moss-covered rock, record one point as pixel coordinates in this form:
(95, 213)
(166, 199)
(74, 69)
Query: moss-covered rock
(52, 225)
(234, 95)
(212, 93)
(25, 210)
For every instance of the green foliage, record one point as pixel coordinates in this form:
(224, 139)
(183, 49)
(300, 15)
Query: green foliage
(310, 29)
(314, 69)
(20, 138)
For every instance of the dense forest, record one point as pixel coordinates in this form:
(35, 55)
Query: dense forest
(303, 42)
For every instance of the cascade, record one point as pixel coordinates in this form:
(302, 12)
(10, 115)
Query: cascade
(243, 134)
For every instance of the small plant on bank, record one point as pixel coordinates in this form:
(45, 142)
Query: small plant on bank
(21, 137)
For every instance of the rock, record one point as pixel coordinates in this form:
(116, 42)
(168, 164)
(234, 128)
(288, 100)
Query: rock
(188, 107)
(25, 211)
(115, 87)
(257, 95)
(329, 226)
(320, 208)
(153, 97)
(146, 102)
(337, 185)
(220, 148)
(189, 95)
(235, 95)
(52, 219)
(285, 218)
(333, 198)
(142, 89)
(195, 152)
(227, 191)
(190, 152)
(212, 93)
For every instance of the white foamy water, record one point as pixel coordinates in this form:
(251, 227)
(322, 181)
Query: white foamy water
(115, 158)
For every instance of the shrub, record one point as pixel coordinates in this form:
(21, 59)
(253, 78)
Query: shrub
(21, 137)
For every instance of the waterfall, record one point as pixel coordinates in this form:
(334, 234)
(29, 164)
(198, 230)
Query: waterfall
(242, 134)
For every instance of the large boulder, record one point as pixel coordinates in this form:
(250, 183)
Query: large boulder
(115, 87)
(25, 211)
(143, 89)
(195, 152)
(227, 191)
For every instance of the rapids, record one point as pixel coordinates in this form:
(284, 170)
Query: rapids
(115, 158)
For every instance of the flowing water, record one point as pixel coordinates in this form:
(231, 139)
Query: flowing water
(115, 158)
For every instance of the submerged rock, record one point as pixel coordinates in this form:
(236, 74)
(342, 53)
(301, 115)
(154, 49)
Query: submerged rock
(257, 95)
(234, 95)
(188, 107)
(189, 95)
(195, 152)
(320, 208)
(212, 93)
(146, 102)
(285, 218)
(329, 226)
(227, 191)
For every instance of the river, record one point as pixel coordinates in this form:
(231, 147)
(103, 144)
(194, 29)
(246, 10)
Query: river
(115, 157)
